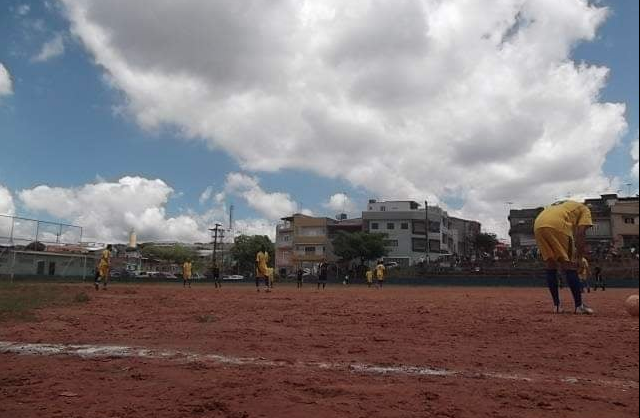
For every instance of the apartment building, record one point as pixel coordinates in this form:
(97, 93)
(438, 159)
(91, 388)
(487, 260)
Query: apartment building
(615, 224)
(466, 232)
(404, 223)
(304, 241)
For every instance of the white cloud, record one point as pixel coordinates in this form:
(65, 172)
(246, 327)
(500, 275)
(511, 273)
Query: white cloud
(341, 203)
(23, 9)
(7, 206)
(6, 86)
(635, 157)
(109, 210)
(51, 49)
(408, 98)
(256, 227)
(271, 205)
(206, 195)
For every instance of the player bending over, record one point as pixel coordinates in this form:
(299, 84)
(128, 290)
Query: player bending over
(560, 232)
(103, 268)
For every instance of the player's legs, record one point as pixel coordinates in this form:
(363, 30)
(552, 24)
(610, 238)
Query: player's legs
(96, 279)
(553, 247)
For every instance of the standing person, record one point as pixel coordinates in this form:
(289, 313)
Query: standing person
(270, 278)
(380, 269)
(103, 268)
(322, 275)
(369, 275)
(299, 275)
(262, 274)
(598, 279)
(560, 232)
(584, 272)
(186, 273)
(216, 277)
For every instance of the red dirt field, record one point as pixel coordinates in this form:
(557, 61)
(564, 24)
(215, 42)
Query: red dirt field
(314, 354)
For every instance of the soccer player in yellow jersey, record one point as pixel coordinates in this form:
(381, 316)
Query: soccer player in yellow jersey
(560, 232)
(186, 273)
(262, 272)
(103, 268)
(380, 273)
(369, 277)
(584, 272)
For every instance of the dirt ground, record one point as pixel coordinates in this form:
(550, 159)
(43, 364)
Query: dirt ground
(344, 352)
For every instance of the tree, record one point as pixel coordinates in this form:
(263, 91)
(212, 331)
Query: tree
(246, 247)
(363, 246)
(485, 243)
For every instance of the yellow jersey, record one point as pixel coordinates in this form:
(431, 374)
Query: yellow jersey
(186, 269)
(380, 272)
(583, 270)
(104, 259)
(369, 276)
(564, 217)
(262, 258)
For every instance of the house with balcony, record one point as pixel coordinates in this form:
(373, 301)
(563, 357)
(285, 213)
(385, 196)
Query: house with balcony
(304, 241)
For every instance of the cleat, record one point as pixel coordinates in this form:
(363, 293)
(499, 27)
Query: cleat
(584, 310)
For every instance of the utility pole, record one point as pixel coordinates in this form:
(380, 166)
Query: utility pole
(426, 231)
(215, 243)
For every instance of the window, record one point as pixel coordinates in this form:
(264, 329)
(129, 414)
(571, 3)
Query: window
(383, 208)
(444, 239)
(418, 227)
(391, 243)
(434, 245)
(40, 267)
(434, 226)
(374, 225)
(391, 225)
(52, 268)
(404, 225)
(419, 245)
(630, 221)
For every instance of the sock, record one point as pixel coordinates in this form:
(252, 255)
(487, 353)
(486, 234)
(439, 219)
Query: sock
(552, 284)
(574, 284)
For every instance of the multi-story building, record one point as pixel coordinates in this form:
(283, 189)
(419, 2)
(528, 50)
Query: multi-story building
(521, 229)
(466, 232)
(615, 224)
(304, 241)
(404, 224)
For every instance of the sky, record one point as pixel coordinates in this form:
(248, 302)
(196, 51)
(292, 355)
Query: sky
(159, 116)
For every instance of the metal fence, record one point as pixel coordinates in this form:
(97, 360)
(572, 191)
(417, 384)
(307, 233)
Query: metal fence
(17, 231)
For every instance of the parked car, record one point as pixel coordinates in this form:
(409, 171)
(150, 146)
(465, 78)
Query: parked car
(305, 272)
(391, 264)
(197, 276)
(164, 275)
(145, 274)
(233, 277)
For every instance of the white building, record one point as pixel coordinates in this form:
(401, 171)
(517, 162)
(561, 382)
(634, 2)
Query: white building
(404, 224)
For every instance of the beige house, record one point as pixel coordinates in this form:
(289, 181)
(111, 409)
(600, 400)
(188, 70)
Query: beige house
(625, 222)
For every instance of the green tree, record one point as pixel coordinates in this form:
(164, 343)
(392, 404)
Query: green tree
(485, 243)
(362, 246)
(245, 249)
